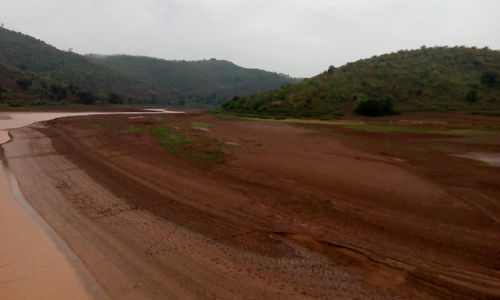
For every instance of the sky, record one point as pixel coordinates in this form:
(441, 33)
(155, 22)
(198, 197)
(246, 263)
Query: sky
(300, 38)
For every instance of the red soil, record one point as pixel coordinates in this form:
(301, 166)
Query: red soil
(293, 212)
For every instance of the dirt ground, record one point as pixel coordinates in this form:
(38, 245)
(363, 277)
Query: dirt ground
(196, 207)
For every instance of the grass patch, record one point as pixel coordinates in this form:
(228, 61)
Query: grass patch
(173, 146)
(290, 120)
(209, 157)
(96, 125)
(133, 128)
(197, 125)
(168, 138)
(196, 149)
(385, 128)
(472, 132)
(165, 132)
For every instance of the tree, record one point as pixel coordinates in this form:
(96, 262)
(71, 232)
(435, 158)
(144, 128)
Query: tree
(115, 98)
(58, 91)
(472, 95)
(24, 83)
(86, 98)
(375, 107)
(490, 79)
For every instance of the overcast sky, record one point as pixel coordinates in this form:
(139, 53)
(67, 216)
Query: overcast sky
(296, 37)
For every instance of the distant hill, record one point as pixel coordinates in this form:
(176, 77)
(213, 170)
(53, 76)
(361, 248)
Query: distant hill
(438, 78)
(24, 53)
(204, 81)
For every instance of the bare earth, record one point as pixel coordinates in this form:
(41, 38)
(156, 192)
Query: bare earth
(292, 212)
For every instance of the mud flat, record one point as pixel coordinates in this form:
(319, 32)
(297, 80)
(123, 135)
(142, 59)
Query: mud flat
(156, 208)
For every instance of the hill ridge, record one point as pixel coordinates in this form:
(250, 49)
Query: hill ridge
(435, 78)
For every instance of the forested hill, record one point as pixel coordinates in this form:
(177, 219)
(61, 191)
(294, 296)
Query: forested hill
(438, 78)
(39, 61)
(204, 81)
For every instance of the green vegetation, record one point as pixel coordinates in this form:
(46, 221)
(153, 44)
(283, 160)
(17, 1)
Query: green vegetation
(198, 125)
(202, 82)
(42, 71)
(168, 138)
(96, 125)
(198, 149)
(86, 98)
(390, 128)
(24, 83)
(374, 107)
(31, 69)
(209, 155)
(439, 78)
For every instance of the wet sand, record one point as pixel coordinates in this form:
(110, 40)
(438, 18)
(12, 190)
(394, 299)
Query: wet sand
(292, 213)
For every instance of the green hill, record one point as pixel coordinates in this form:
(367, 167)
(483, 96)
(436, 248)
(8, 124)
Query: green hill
(39, 61)
(439, 78)
(205, 81)
(17, 86)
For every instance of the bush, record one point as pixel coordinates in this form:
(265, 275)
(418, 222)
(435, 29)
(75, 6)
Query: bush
(490, 79)
(39, 103)
(471, 95)
(24, 83)
(86, 98)
(375, 107)
(115, 98)
(15, 103)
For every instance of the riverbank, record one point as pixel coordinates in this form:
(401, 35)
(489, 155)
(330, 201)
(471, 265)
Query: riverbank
(36, 263)
(193, 207)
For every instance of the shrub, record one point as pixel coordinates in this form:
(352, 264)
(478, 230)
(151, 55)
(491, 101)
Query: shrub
(24, 83)
(115, 98)
(15, 103)
(490, 79)
(375, 107)
(86, 98)
(471, 95)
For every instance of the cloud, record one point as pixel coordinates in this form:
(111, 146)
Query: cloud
(297, 37)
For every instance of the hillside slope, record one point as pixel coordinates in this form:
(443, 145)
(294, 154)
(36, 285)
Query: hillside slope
(204, 81)
(26, 53)
(439, 78)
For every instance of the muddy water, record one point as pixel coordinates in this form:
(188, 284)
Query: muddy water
(34, 262)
